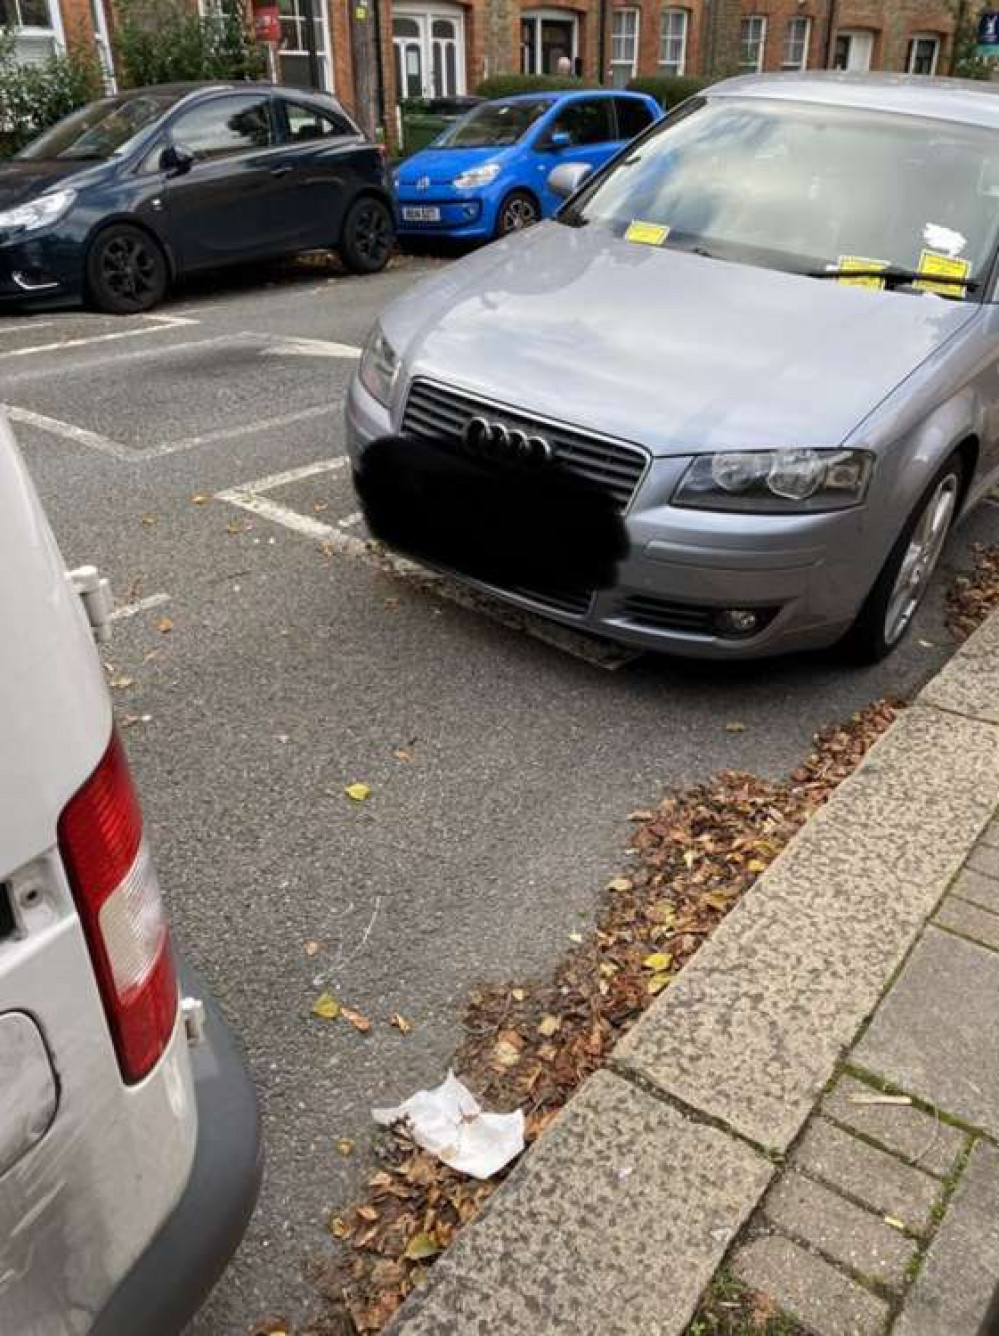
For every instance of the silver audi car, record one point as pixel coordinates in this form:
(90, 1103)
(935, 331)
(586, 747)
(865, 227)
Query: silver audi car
(767, 332)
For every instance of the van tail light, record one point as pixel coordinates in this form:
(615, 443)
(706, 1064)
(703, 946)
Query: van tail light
(118, 899)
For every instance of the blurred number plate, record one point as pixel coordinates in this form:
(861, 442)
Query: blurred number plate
(421, 214)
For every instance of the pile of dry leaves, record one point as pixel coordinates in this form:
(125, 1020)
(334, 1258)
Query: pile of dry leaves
(531, 1046)
(972, 597)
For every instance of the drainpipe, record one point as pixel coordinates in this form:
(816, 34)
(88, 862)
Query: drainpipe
(830, 26)
(315, 78)
(376, 14)
(602, 42)
(962, 10)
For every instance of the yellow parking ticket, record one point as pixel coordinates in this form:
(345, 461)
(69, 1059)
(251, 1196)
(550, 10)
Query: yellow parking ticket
(850, 262)
(943, 266)
(647, 234)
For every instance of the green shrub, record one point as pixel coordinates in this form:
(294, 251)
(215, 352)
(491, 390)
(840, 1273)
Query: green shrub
(33, 97)
(669, 90)
(166, 41)
(507, 85)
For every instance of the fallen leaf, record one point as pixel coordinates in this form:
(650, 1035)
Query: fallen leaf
(576, 937)
(120, 681)
(399, 1021)
(311, 948)
(358, 792)
(355, 1018)
(151, 654)
(548, 1026)
(505, 1055)
(895, 1223)
(237, 526)
(659, 960)
(320, 507)
(658, 982)
(421, 1246)
(199, 499)
(620, 884)
(517, 994)
(368, 1213)
(345, 1146)
(148, 520)
(338, 1227)
(689, 858)
(734, 726)
(756, 865)
(662, 912)
(402, 754)
(326, 1007)
(164, 625)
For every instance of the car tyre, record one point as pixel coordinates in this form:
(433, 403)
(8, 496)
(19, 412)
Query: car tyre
(898, 592)
(518, 210)
(127, 272)
(368, 236)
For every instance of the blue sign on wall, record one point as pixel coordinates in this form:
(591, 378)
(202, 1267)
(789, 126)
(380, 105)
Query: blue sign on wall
(988, 34)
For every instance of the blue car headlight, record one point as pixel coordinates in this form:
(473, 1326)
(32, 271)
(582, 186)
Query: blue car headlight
(40, 212)
(478, 176)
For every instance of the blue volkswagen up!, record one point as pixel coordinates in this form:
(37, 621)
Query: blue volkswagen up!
(487, 174)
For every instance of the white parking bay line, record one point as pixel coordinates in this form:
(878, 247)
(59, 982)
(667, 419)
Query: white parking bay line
(244, 429)
(140, 605)
(296, 347)
(163, 324)
(249, 497)
(80, 435)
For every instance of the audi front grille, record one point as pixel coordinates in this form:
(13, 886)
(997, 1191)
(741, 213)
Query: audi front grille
(436, 411)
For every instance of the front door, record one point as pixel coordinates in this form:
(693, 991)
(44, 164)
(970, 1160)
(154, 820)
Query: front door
(853, 50)
(428, 47)
(234, 202)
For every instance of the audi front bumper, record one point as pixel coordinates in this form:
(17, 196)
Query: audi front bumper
(803, 576)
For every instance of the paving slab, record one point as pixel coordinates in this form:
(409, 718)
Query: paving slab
(873, 1176)
(819, 1296)
(984, 859)
(978, 888)
(969, 920)
(914, 1135)
(991, 835)
(845, 1232)
(753, 1026)
(613, 1225)
(935, 1033)
(969, 683)
(953, 1290)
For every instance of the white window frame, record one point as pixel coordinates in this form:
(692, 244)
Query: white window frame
(326, 65)
(424, 15)
(54, 30)
(680, 65)
(917, 37)
(802, 64)
(537, 17)
(102, 40)
(761, 21)
(631, 65)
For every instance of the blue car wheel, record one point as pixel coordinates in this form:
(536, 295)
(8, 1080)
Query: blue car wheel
(518, 210)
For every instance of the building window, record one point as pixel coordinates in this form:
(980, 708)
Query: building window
(549, 38)
(799, 30)
(293, 51)
(924, 52)
(624, 46)
(428, 47)
(37, 28)
(752, 40)
(673, 41)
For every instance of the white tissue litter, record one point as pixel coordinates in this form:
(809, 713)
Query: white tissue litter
(450, 1123)
(944, 239)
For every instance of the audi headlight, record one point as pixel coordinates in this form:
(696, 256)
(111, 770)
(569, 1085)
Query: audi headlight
(39, 213)
(379, 367)
(477, 176)
(780, 481)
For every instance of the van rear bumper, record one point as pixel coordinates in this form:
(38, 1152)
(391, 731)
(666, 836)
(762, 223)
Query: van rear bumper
(173, 1277)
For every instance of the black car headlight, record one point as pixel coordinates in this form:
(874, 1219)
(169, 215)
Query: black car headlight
(38, 213)
(780, 481)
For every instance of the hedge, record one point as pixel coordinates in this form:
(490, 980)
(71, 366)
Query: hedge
(507, 85)
(33, 97)
(669, 90)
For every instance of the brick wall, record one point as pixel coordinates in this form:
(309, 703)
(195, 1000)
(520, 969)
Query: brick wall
(892, 23)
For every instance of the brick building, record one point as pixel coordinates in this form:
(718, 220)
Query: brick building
(372, 53)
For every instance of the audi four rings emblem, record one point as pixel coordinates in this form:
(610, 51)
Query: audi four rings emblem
(493, 440)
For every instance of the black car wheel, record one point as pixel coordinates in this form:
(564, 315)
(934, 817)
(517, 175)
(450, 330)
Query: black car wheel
(518, 210)
(368, 236)
(126, 270)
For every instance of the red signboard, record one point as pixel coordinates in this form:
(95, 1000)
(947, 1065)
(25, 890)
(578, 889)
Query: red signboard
(267, 23)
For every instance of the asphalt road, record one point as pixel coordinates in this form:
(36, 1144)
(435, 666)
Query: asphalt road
(291, 671)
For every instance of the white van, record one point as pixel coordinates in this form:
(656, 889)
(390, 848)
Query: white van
(129, 1137)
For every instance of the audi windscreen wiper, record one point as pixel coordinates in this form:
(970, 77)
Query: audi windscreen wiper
(894, 276)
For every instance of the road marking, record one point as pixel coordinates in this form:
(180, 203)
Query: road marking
(79, 435)
(140, 605)
(296, 347)
(333, 540)
(232, 433)
(164, 323)
(19, 327)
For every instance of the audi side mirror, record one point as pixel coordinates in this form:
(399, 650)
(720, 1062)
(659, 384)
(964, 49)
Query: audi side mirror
(176, 160)
(567, 177)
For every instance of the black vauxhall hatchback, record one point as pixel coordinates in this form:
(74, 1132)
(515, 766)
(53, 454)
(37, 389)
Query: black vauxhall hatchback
(129, 193)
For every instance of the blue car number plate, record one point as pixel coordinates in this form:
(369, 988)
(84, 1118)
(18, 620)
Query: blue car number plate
(423, 213)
